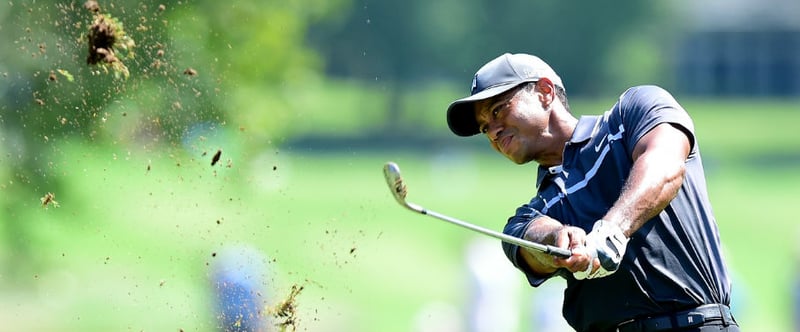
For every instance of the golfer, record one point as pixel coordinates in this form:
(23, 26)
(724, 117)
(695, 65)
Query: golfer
(624, 190)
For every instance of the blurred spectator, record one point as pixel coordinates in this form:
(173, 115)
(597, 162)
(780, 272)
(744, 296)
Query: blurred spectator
(238, 280)
(546, 308)
(495, 288)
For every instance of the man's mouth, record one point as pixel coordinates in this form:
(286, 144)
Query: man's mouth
(505, 141)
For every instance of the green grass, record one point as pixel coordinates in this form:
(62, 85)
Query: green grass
(753, 209)
(132, 249)
(128, 248)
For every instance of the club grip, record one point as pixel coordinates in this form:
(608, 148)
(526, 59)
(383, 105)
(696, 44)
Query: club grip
(559, 252)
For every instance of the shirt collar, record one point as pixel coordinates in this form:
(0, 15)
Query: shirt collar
(540, 175)
(584, 130)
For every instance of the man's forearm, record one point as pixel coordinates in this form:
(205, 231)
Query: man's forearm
(541, 230)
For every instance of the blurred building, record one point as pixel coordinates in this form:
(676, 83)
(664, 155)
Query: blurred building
(740, 48)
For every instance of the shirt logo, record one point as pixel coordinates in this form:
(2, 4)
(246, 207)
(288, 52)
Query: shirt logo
(610, 137)
(600, 145)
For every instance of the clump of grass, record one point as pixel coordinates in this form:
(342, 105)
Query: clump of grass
(286, 311)
(108, 42)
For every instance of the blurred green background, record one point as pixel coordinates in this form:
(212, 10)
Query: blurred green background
(306, 100)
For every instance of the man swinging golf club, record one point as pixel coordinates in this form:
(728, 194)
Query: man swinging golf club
(623, 191)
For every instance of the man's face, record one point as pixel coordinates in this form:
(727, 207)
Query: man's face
(516, 125)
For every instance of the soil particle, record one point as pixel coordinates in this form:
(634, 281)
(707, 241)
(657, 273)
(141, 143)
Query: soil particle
(216, 157)
(286, 311)
(49, 199)
(92, 6)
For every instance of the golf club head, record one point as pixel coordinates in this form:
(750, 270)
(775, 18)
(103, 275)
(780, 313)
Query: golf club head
(395, 182)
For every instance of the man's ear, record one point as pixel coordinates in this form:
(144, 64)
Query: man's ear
(547, 91)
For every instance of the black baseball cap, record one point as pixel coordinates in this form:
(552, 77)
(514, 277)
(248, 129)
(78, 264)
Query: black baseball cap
(495, 77)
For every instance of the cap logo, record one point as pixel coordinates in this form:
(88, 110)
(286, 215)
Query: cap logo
(474, 84)
(528, 73)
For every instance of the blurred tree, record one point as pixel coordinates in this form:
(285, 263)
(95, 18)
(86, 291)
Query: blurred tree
(401, 44)
(201, 64)
(243, 66)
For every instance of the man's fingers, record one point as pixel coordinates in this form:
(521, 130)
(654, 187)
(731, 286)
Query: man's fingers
(586, 273)
(577, 239)
(571, 238)
(583, 260)
(564, 238)
(579, 261)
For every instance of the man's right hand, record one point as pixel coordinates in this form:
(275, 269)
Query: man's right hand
(574, 238)
(584, 259)
(549, 231)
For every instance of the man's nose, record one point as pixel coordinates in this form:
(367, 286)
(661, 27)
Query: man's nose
(493, 130)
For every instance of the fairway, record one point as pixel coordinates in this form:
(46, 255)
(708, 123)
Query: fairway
(136, 254)
(131, 244)
(137, 231)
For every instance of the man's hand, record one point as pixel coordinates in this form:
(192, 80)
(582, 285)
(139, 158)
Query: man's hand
(601, 250)
(605, 244)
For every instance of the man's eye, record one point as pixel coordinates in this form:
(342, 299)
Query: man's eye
(495, 112)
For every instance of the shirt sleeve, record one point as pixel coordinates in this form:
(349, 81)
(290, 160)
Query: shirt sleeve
(642, 108)
(516, 227)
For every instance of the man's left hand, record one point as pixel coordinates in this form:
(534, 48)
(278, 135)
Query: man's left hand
(606, 243)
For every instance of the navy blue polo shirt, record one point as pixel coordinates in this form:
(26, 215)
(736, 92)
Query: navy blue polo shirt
(673, 262)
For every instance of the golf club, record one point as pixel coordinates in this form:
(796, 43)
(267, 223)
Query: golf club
(392, 174)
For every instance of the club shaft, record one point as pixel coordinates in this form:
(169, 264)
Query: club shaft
(555, 251)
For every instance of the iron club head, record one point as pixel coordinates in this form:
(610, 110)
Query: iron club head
(392, 174)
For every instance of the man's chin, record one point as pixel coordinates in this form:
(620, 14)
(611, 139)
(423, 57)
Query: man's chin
(518, 159)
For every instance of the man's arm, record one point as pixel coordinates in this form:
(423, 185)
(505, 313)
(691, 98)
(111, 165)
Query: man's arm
(657, 174)
(659, 163)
